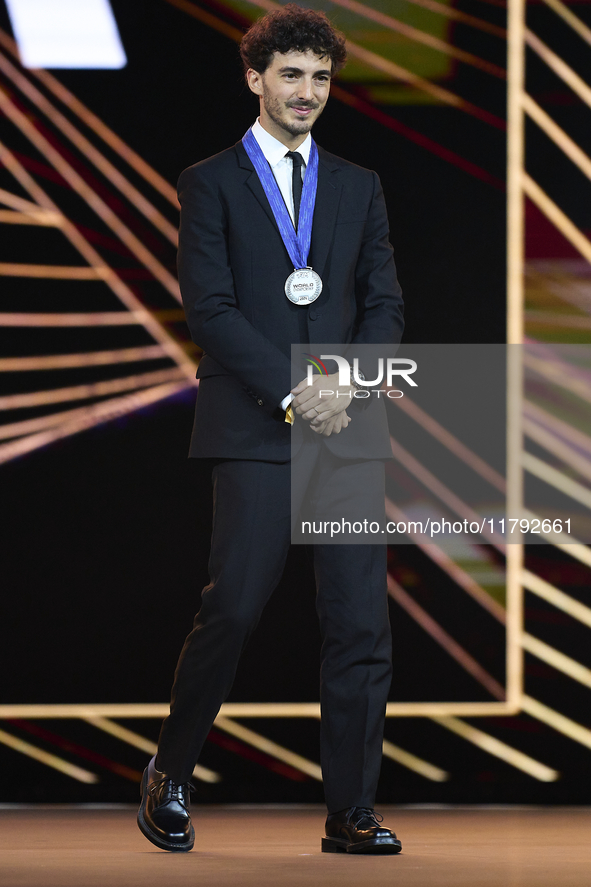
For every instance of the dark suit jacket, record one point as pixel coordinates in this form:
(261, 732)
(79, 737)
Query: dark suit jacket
(232, 270)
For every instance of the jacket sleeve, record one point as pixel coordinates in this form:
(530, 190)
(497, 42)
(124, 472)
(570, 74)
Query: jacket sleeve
(378, 293)
(207, 287)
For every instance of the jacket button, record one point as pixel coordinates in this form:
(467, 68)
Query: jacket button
(313, 314)
(260, 402)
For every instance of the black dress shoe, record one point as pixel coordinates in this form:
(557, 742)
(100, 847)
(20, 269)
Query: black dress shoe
(358, 830)
(164, 816)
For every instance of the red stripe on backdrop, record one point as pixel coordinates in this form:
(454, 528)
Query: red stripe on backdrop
(418, 138)
(245, 751)
(79, 750)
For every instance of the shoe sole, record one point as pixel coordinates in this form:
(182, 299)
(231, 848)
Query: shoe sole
(379, 846)
(155, 839)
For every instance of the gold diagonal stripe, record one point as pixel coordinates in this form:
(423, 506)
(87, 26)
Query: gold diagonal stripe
(118, 287)
(499, 749)
(44, 757)
(273, 749)
(94, 201)
(135, 197)
(96, 124)
(556, 597)
(39, 217)
(85, 359)
(141, 742)
(412, 762)
(70, 272)
(557, 721)
(556, 659)
(556, 479)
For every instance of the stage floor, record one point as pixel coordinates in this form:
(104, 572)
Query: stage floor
(255, 847)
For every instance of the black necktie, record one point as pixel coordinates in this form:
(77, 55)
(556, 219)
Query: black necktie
(296, 184)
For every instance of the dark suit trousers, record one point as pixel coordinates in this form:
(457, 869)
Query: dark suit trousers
(250, 541)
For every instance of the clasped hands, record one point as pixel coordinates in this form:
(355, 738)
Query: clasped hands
(327, 414)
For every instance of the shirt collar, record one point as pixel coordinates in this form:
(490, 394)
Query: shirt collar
(273, 149)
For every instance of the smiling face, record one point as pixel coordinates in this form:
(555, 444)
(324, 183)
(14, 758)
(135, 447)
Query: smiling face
(293, 91)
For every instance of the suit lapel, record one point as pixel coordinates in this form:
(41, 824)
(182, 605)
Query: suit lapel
(252, 182)
(328, 196)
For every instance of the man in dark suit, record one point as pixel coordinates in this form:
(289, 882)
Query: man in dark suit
(235, 266)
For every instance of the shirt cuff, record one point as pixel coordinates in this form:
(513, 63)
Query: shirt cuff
(286, 401)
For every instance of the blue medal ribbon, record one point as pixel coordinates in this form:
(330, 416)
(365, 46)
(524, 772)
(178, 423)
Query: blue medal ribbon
(297, 243)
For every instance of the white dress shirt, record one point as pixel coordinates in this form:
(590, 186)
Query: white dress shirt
(282, 168)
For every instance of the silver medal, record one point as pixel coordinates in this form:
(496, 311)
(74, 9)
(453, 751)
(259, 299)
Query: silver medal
(303, 286)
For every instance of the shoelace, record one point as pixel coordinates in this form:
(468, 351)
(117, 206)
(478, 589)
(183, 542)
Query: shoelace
(358, 814)
(174, 791)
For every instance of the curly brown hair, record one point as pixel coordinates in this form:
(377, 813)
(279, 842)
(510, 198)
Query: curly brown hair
(292, 28)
